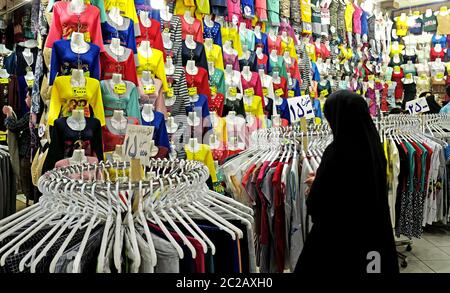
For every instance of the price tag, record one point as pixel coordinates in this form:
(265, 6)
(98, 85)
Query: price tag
(213, 90)
(439, 75)
(87, 37)
(192, 91)
(312, 94)
(291, 93)
(250, 92)
(2, 135)
(30, 82)
(79, 92)
(324, 93)
(120, 89)
(417, 106)
(138, 142)
(409, 76)
(279, 92)
(170, 93)
(232, 91)
(265, 92)
(4, 80)
(149, 89)
(300, 107)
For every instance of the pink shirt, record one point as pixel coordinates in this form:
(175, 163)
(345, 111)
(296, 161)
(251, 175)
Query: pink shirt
(65, 22)
(156, 98)
(261, 10)
(255, 83)
(234, 8)
(194, 29)
(357, 19)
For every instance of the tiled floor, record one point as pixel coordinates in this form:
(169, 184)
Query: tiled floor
(431, 254)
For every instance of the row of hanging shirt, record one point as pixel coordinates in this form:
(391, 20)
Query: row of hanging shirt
(7, 184)
(418, 171)
(270, 177)
(168, 222)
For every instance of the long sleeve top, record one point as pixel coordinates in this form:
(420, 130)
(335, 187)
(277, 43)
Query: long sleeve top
(255, 83)
(203, 155)
(198, 54)
(160, 135)
(262, 42)
(200, 81)
(124, 32)
(64, 100)
(124, 65)
(128, 9)
(200, 106)
(65, 140)
(128, 102)
(152, 34)
(174, 28)
(153, 96)
(64, 23)
(113, 137)
(215, 55)
(64, 60)
(218, 80)
(155, 64)
(194, 29)
(213, 33)
(178, 92)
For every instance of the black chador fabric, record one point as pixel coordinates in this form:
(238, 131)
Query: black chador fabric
(348, 201)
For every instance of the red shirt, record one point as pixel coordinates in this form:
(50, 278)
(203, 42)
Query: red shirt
(434, 54)
(216, 104)
(255, 83)
(397, 77)
(194, 29)
(322, 51)
(282, 85)
(273, 45)
(293, 69)
(279, 218)
(113, 138)
(127, 67)
(152, 34)
(264, 220)
(201, 81)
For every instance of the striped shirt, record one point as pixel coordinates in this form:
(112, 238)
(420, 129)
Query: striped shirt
(174, 27)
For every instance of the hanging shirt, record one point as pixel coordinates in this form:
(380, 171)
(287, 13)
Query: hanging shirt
(417, 23)
(429, 23)
(198, 55)
(215, 55)
(128, 101)
(217, 80)
(293, 69)
(152, 95)
(200, 81)
(274, 44)
(262, 63)
(63, 99)
(250, 62)
(442, 40)
(248, 39)
(123, 64)
(215, 104)
(288, 46)
(402, 26)
(348, 14)
(293, 89)
(112, 136)
(254, 83)
(231, 59)
(232, 34)
(127, 9)
(283, 110)
(443, 24)
(357, 19)
(154, 64)
(364, 24)
(160, 136)
(280, 89)
(174, 28)
(277, 66)
(194, 29)
(200, 107)
(63, 60)
(213, 32)
(203, 155)
(255, 108)
(262, 42)
(65, 23)
(124, 32)
(152, 34)
(435, 54)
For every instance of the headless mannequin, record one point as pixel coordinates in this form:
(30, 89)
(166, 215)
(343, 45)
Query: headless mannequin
(287, 58)
(428, 13)
(147, 113)
(246, 73)
(227, 48)
(272, 34)
(188, 18)
(192, 70)
(274, 55)
(117, 79)
(78, 79)
(144, 19)
(118, 153)
(193, 119)
(78, 157)
(171, 125)
(169, 67)
(437, 48)
(76, 121)
(78, 44)
(209, 43)
(193, 146)
(114, 14)
(167, 42)
(77, 6)
(285, 37)
(211, 68)
(258, 31)
(259, 53)
(208, 21)
(165, 14)
(28, 56)
(116, 48)
(190, 43)
(276, 77)
(118, 121)
(3, 73)
(146, 78)
(145, 49)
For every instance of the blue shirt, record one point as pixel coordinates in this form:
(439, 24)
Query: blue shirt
(295, 87)
(263, 41)
(63, 60)
(213, 33)
(125, 33)
(317, 109)
(315, 72)
(442, 41)
(160, 135)
(364, 24)
(201, 105)
(283, 110)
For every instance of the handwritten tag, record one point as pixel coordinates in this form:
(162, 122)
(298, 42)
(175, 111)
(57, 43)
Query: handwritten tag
(291, 93)
(120, 89)
(300, 107)
(87, 37)
(265, 92)
(279, 92)
(4, 80)
(213, 90)
(232, 91)
(417, 106)
(324, 93)
(79, 92)
(149, 89)
(30, 82)
(138, 142)
(250, 92)
(170, 93)
(192, 91)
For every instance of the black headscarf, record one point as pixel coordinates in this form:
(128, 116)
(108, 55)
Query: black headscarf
(348, 200)
(431, 101)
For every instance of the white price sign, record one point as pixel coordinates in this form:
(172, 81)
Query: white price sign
(417, 106)
(300, 107)
(138, 142)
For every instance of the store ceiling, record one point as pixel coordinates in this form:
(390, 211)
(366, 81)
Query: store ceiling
(396, 4)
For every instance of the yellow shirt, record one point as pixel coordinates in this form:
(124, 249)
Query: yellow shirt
(126, 7)
(346, 54)
(305, 9)
(220, 129)
(181, 6)
(63, 96)
(231, 34)
(402, 26)
(203, 155)
(311, 51)
(289, 46)
(255, 108)
(155, 64)
(443, 24)
(215, 55)
(397, 51)
(348, 15)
